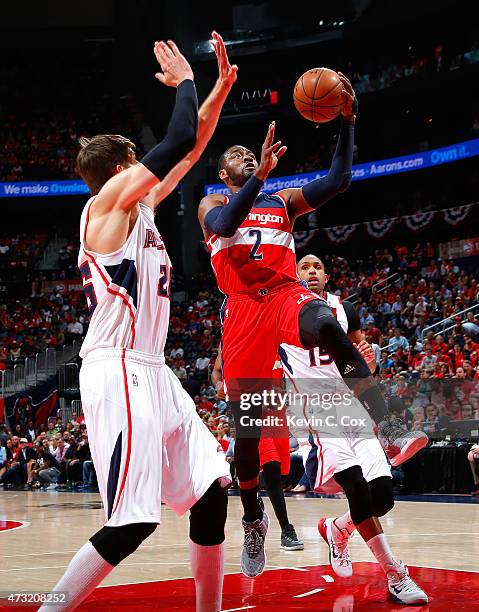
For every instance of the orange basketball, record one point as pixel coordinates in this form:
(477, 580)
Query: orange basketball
(317, 95)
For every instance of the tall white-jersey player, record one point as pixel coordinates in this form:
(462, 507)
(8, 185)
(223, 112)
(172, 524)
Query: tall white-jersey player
(148, 444)
(340, 456)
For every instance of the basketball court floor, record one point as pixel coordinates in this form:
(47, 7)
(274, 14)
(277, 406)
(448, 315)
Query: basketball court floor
(40, 532)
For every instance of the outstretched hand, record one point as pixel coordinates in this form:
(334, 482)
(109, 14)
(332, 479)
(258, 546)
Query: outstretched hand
(173, 63)
(350, 109)
(227, 73)
(270, 154)
(366, 351)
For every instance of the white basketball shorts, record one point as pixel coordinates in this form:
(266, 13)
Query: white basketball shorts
(147, 442)
(325, 454)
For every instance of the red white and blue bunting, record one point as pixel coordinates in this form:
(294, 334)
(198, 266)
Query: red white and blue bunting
(340, 233)
(456, 215)
(303, 237)
(380, 227)
(419, 221)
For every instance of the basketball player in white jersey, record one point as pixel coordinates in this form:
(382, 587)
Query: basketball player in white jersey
(398, 443)
(148, 444)
(338, 455)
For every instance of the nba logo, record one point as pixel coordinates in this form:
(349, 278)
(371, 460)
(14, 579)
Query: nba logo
(135, 380)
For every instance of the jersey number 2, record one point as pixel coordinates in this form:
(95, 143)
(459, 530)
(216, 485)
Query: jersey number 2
(254, 251)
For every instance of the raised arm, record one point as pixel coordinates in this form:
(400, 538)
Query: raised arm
(225, 220)
(318, 192)
(208, 117)
(126, 188)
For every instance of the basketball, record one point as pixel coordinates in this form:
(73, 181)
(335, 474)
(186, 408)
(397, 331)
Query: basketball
(317, 95)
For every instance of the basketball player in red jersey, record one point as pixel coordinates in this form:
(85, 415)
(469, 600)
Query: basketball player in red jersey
(252, 253)
(148, 444)
(274, 459)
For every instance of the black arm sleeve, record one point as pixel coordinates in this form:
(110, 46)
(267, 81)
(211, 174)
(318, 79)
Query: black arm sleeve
(180, 136)
(353, 318)
(225, 220)
(319, 191)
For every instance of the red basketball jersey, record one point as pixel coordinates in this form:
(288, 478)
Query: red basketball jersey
(260, 256)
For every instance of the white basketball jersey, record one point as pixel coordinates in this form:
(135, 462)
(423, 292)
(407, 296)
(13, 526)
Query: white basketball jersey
(127, 291)
(315, 363)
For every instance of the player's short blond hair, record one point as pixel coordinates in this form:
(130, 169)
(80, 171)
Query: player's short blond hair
(99, 156)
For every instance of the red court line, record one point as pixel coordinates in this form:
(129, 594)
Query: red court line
(275, 590)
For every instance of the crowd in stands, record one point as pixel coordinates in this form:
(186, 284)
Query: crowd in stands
(430, 380)
(41, 143)
(55, 456)
(31, 325)
(439, 59)
(21, 251)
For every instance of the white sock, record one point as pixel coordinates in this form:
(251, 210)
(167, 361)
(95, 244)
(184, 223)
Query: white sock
(344, 525)
(379, 546)
(85, 571)
(207, 565)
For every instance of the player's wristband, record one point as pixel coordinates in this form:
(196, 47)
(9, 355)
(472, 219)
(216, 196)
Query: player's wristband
(180, 136)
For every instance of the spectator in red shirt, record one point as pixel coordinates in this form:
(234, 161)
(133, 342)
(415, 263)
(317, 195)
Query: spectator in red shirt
(439, 346)
(205, 405)
(457, 357)
(375, 333)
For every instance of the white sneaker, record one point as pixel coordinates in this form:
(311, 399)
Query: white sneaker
(253, 557)
(402, 587)
(338, 549)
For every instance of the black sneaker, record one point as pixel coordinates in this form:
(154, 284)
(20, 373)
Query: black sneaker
(289, 539)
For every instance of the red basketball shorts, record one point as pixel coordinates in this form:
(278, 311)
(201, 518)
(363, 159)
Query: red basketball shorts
(275, 449)
(253, 328)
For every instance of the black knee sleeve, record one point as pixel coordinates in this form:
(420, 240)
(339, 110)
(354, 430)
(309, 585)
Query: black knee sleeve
(319, 327)
(382, 495)
(115, 543)
(316, 324)
(246, 454)
(272, 475)
(208, 516)
(358, 493)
